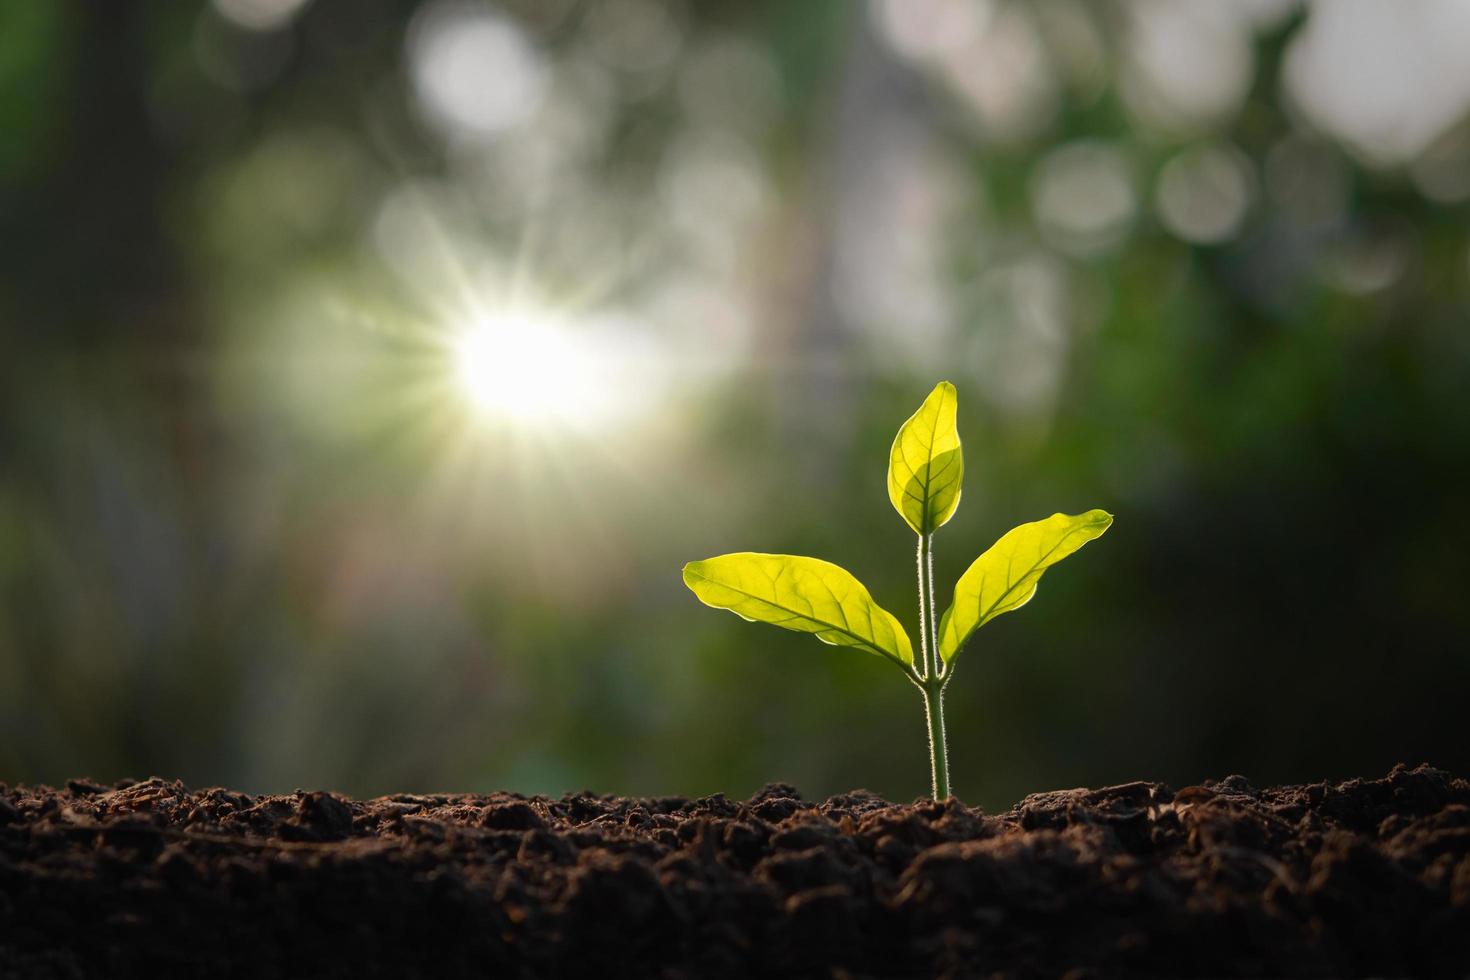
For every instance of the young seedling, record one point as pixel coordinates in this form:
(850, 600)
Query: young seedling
(925, 469)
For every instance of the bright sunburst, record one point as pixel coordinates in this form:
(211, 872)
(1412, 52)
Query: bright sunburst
(531, 369)
(508, 366)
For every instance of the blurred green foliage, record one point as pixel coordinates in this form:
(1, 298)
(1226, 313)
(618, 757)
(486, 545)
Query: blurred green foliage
(251, 534)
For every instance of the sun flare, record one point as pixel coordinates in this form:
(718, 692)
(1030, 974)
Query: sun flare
(534, 370)
(507, 366)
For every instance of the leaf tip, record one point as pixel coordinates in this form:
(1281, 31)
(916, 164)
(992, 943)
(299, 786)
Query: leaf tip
(949, 396)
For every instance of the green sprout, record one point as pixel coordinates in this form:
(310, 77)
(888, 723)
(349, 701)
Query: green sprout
(925, 469)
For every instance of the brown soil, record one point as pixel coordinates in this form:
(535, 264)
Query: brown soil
(1363, 877)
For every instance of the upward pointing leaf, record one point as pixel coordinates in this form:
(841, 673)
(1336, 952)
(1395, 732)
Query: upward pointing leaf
(1005, 577)
(802, 594)
(925, 466)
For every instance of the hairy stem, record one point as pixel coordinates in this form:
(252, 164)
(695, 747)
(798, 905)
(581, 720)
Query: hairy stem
(933, 682)
(938, 749)
(936, 668)
(923, 606)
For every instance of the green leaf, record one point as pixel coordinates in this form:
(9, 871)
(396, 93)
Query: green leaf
(1005, 577)
(925, 466)
(802, 594)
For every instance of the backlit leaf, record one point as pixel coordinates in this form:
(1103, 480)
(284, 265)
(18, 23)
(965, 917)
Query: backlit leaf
(925, 465)
(1005, 577)
(802, 594)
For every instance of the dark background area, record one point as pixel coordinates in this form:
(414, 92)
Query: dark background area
(1206, 266)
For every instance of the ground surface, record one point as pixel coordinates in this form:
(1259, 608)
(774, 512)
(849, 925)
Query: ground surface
(1362, 877)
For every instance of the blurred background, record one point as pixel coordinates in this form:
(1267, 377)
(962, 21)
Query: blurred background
(369, 368)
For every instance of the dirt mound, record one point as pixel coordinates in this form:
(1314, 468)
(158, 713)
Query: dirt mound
(1362, 877)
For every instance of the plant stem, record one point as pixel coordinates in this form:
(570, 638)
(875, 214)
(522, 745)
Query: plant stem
(938, 750)
(923, 607)
(928, 624)
(936, 668)
(933, 682)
